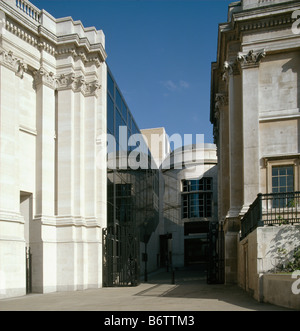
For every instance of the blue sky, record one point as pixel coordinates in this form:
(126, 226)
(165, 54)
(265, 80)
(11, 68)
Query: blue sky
(160, 53)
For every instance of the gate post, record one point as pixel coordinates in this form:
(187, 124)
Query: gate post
(28, 264)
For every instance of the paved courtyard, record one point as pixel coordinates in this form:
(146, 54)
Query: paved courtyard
(189, 293)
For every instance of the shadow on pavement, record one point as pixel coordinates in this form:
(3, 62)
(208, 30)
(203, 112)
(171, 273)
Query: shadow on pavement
(191, 283)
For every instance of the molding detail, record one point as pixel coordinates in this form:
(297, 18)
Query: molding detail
(293, 158)
(65, 82)
(221, 100)
(216, 130)
(82, 55)
(230, 68)
(54, 47)
(78, 84)
(251, 59)
(42, 76)
(91, 88)
(270, 22)
(13, 63)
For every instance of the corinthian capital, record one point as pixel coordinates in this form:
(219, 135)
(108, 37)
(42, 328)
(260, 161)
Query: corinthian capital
(230, 68)
(251, 59)
(92, 88)
(221, 100)
(13, 63)
(78, 84)
(65, 81)
(42, 76)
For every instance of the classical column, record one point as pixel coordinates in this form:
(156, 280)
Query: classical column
(250, 81)
(95, 185)
(234, 162)
(101, 130)
(77, 181)
(44, 82)
(65, 148)
(235, 141)
(43, 251)
(79, 151)
(221, 114)
(76, 146)
(90, 148)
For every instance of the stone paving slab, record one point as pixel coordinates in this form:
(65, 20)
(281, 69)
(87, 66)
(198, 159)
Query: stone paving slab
(189, 293)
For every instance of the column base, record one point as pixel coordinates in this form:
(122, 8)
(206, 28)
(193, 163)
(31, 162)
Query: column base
(231, 235)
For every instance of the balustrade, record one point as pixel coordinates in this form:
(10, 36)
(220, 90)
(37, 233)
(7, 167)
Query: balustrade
(29, 10)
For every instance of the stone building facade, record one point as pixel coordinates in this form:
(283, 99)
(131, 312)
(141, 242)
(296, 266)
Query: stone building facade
(255, 113)
(190, 205)
(53, 168)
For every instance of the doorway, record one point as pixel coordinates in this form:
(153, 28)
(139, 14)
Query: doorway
(26, 212)
(195, 251)
(165, 250)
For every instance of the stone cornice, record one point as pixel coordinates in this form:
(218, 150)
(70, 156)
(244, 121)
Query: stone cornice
(293, 157)
(270, 12)
(277, 16)
(270, 22)
(91, 58)
(33, 32)
(65, 221)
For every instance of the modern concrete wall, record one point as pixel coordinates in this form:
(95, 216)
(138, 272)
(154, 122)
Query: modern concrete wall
(173, 221)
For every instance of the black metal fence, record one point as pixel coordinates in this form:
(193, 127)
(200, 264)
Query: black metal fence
(271, 209)
(120, 256)
(215, 265)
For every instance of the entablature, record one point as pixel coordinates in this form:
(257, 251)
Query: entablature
(39, 29)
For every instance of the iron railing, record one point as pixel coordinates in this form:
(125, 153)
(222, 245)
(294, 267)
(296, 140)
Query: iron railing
(28, 263)
(271, 209)
(121, 256)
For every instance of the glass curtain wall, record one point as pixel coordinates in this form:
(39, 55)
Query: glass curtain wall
(132, 200)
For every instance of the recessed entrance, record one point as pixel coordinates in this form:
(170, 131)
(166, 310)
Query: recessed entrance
(26, 212)
(195, 251)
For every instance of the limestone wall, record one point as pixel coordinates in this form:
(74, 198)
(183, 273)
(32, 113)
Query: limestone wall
(53, 170)
(261, 251)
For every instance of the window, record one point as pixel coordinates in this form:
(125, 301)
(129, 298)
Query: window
(282, 182)
(282, 179)
(197, 198)
(118, 114)
(110, 85)
(119, 122)
(123, 203)
(110, 115)
(118, 100)
(124, 111)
